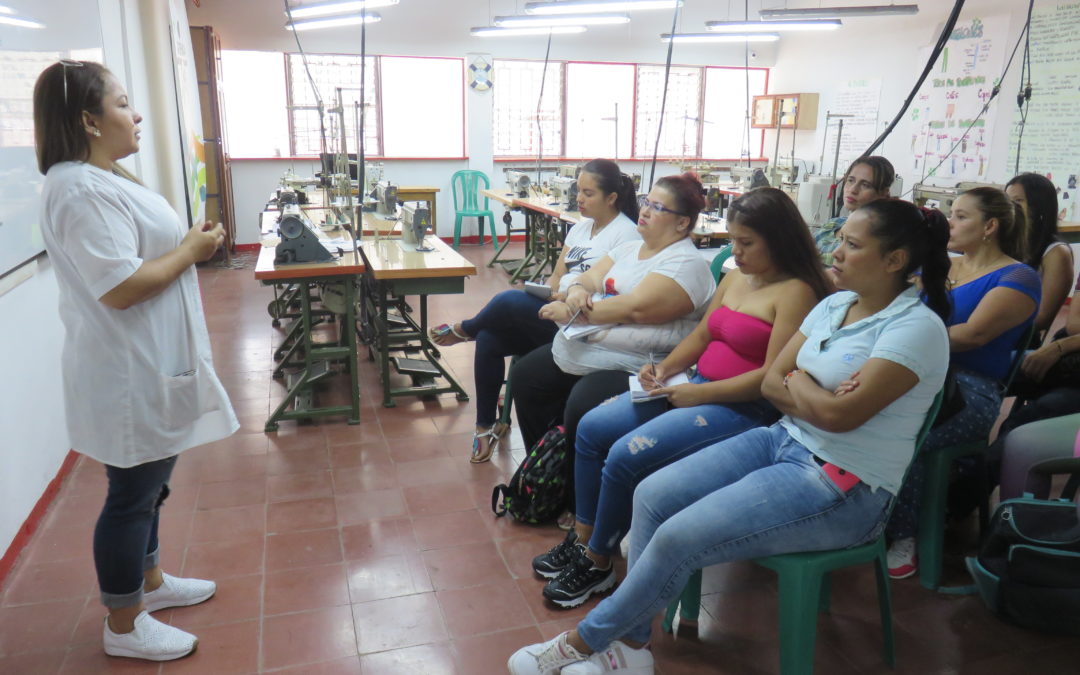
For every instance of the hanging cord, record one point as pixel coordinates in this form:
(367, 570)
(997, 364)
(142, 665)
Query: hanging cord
(539, 103)
(361, 173)
(746, 71)
(663, 99)
(1023, 97)
(943, 39)
(986, 106)
(311, 80)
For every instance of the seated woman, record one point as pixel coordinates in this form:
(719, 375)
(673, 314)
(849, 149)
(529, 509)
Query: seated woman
(867, 179)
(755, 310)
(1033, 444)
(995, 298)
(509, 325)
(823, 477)
(1046, 253)
(654, 291)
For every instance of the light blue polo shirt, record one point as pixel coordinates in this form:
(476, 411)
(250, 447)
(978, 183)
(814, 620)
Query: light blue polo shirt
(906, 332)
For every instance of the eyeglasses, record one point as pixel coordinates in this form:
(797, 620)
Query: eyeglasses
(68, 63)
(644, 203)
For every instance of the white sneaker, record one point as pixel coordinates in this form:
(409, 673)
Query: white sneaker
(617, 658)
(546, 658)
(902, 559)
(151, 640)
(174, 592)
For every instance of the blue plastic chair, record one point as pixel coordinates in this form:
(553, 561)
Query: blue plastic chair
(466, 186)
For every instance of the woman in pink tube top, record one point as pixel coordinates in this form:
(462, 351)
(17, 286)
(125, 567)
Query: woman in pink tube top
(755, 310)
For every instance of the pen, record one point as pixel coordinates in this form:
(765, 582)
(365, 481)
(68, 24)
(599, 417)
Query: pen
(572, 319)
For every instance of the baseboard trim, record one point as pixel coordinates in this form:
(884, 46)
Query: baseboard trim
(30, 526)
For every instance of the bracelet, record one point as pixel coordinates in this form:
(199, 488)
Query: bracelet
(790, 374)
(576, 283)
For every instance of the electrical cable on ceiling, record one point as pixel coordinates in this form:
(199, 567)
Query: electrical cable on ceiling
(311, 80)
(663, 100)
(1023, 97)
(1024, 35)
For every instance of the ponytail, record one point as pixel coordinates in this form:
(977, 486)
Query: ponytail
(627, 201)
(935, 263)
(609, 178)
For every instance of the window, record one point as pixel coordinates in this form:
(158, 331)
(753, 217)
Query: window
(599, 109)
(516, 132)
(331, 72)
(413, 89)
(682, 112)
(725, 111)
(253, 88)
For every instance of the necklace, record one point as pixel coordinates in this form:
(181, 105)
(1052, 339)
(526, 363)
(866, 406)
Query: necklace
(978, 271)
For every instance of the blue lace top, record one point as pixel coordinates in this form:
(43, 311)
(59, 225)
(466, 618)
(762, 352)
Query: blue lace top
(994, 357)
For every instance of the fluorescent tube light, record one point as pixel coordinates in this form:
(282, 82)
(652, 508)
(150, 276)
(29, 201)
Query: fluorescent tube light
(11, 20)
(593, 6)
(687, 38)
(334, 21)
(496, 31)
(326, 8)
(838, 12)
(559, 20)
(771, 26)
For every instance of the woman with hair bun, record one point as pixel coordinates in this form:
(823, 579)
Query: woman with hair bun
(509, 325)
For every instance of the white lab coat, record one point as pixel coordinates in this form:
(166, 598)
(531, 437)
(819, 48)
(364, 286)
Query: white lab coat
(139, 383)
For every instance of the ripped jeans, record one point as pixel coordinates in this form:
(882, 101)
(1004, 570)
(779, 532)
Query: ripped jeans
(619, 443)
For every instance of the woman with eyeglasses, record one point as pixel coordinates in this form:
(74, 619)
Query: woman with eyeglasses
(509, 325)
(642, 299)
(139, 381)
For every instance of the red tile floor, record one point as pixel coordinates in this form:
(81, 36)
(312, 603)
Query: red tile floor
(372, 549)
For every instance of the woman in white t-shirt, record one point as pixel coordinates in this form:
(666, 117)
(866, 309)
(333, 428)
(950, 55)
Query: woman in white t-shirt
(509, 325)
(644, 297)
(139, 381)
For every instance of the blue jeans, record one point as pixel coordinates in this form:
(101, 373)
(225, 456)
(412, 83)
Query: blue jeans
(620, 442)
(126, 535)
(757, 494)
(509, 325)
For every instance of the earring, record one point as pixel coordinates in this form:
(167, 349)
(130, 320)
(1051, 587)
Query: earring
(94, 131)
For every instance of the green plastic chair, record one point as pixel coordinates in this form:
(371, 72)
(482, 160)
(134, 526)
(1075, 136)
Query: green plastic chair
(717, 264)
(466, 186)
(805, 589)
(935, 492)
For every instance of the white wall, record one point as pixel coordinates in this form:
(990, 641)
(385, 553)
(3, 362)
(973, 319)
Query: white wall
(33, 438)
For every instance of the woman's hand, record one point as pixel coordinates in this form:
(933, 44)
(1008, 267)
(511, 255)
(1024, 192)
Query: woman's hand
(559, 312)
(202, 242)
(652, 376)
(847, 386)
(557, 297)
(684, 395)
(1039, 362)
(578, 298)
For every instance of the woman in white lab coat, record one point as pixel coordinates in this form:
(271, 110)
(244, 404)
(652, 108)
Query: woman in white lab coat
(139, 382)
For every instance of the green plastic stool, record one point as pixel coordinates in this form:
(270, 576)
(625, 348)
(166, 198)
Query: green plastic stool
(466, 186)
(717, 264)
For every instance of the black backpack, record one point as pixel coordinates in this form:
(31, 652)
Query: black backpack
(540, 488)
(1028, 567)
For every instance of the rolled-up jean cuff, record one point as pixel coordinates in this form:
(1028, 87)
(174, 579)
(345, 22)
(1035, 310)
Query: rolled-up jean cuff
(152, 560)
(119, 601)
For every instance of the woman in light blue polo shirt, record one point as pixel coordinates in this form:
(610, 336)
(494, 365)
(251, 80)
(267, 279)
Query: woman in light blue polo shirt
(822, 477)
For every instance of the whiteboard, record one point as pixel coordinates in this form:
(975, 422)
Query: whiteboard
(64, 32)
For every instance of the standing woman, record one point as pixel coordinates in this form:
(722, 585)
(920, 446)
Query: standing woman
(867, 179)
(139, 382)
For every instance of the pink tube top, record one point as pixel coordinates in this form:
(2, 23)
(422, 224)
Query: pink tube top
(739, 344)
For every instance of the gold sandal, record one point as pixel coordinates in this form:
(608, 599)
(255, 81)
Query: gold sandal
(485, 442)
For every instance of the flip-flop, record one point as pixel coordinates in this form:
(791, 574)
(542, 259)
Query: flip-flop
(485, 442)
(441, 335)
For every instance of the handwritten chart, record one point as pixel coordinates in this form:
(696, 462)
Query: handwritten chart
(859, 100)
(950, 100)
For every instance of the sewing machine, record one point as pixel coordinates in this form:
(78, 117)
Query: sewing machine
(415, 221)
(568, 170)
(517, 182)
(299, 242)
(386, 198)
(564, 190)
(742, 176)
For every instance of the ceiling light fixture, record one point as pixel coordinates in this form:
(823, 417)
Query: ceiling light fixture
(545, 20)
(327, 8)
(21, 22)
(334, 21)
(838, 12)
(689, 38)
(771, 26)
(593, 6)
(497, 31)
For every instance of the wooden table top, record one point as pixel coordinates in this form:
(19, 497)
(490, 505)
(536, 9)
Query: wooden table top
(350, 263)
(374, 224)
(388, 259)
(502, 196)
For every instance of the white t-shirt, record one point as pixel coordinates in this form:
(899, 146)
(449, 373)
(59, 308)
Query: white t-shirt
(139, 383)
(627, 346)
(583, 249)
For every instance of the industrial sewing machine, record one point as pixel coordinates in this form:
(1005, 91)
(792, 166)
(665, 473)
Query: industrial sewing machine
(940, 198)
(568, 170)
(415, 221)
(386, 198)
(517, 182)
(299, 241)
(564, 190)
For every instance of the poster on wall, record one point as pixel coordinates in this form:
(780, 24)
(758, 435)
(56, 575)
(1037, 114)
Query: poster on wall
(1051, 135)
(858, 101)
(950, 100)
(192, 147)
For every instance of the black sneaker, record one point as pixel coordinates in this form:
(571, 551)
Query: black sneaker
(557, 559)
(578, 581)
